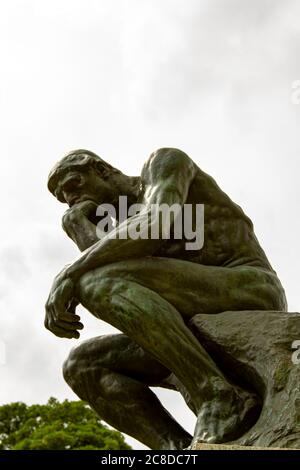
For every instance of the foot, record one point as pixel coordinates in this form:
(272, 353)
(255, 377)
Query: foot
(227, 416)
(171, 443)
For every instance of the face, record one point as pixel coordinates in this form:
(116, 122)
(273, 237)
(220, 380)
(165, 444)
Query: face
(77, 186)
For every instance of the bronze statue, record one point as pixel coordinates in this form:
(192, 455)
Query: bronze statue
(150, 289)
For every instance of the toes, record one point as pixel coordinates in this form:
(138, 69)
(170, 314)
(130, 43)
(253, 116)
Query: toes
(226, 419)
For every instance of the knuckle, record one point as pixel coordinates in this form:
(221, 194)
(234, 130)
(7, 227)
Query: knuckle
(66, 221)
(51, 324)
(70, 216)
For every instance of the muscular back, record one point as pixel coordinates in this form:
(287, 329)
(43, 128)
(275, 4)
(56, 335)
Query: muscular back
(229, 238)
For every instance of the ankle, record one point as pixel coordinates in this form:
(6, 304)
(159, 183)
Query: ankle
(217, 388)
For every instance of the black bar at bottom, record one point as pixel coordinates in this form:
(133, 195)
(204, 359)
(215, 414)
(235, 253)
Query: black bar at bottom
(136, 459)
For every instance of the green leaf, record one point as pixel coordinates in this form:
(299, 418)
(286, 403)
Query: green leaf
(70, 425)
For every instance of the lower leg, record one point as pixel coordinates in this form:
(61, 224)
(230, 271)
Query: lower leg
(129, 406)
(157, 327)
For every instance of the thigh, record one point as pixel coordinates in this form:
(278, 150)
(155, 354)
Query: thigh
(194, 288)
(120, 354)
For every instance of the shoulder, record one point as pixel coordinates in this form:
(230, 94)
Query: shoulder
(166, 161)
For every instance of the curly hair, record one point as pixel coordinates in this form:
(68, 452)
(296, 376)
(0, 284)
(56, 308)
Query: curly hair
(80, 159)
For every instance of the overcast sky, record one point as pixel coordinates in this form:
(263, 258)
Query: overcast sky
(123, 78)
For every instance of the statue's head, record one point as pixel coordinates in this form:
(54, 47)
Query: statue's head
(82, 175)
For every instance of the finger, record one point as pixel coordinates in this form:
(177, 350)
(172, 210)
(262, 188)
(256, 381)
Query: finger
(57, 329)
(87, 207)
(66, 312)
(69, 316)
(62, 333)
(70, 326)
(59, 312)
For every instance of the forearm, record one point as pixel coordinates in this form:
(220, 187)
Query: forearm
(116, 246)
(83, 234)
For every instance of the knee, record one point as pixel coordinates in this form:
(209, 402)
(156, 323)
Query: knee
(88, 361)
(75, 366)
(96, 289)
(69, 368)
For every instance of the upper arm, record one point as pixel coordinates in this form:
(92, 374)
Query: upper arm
(167, 176)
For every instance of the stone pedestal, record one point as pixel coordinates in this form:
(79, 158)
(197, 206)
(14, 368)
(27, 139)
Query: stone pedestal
(254, 349)
(202, 446)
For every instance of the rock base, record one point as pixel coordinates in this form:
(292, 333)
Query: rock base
(255, 350)
(202, 446)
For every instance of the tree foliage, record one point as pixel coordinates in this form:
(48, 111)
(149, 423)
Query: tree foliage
(70, 425)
